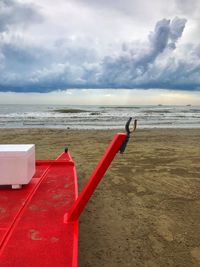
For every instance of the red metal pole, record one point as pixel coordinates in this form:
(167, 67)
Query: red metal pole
(78, 206)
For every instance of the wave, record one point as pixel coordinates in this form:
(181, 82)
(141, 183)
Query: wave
(100, 117)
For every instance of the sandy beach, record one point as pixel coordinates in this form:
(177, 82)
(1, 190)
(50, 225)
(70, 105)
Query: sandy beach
(146, 210)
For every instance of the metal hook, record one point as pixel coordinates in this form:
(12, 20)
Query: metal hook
(128, 131)
(127, 126)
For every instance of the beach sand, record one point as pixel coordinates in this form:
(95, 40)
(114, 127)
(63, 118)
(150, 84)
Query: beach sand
(146, 210)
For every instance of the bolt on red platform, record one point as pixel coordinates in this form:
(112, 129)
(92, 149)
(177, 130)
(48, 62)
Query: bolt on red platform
(39, 222)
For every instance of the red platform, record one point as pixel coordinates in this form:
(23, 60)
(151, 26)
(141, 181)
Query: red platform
(39, 223)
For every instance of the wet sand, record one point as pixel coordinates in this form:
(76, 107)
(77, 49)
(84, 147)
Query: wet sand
(146, 210)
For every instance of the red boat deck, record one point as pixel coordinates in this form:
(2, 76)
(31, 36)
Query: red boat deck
(39, 223)
(32, 228)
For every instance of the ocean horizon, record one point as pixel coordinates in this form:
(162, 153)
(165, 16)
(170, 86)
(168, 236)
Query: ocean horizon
(98, 116)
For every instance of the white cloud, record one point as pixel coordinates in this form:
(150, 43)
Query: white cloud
(15, 13)
(99, 44)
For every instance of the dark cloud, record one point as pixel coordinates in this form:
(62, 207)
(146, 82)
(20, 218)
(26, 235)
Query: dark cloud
(129, 70)
(13, 13)
(176, 28)
(71, 64)
(26, 67)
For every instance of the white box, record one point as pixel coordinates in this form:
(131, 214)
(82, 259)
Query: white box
(17, 164)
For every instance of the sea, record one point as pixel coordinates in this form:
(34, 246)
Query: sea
(98, 117)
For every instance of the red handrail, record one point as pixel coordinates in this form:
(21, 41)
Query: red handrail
(78, 206)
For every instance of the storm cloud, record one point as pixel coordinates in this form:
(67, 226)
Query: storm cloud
(149, 64)
(14, 13)
(37, 54)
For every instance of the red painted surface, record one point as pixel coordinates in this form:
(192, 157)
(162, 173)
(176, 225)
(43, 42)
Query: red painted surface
(78, 206)
(32, 231)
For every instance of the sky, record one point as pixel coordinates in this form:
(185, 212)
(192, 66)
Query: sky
(100, 52)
